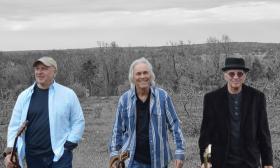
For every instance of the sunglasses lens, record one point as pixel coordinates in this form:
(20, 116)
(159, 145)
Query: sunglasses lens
(239, 74)
(231, 74)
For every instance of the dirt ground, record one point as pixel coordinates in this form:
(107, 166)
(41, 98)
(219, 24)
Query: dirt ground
(92, 151)
(99, 115)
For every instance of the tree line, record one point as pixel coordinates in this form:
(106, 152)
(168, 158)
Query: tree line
(180, 67)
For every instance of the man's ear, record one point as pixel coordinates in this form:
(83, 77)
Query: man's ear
(225, 77)
(245, 76)
(55, 72)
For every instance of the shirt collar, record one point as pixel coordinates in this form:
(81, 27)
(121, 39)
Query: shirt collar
(133, 92)
(52, 86)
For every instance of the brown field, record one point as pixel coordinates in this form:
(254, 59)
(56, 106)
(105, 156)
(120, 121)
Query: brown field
(100, 112)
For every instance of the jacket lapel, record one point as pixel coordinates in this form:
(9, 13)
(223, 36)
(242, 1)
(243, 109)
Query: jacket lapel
(224, 105)
(244, 105)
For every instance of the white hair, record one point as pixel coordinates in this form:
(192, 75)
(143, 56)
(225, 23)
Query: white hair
(131, 71)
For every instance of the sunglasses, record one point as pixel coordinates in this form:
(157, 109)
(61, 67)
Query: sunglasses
(239, 74)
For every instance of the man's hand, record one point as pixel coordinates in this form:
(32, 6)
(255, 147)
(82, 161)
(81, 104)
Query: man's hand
(268, 167)
(8, 162)
(209, 165)
(179, 163)
(114, 165)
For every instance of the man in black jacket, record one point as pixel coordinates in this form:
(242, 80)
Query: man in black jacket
(235, 123)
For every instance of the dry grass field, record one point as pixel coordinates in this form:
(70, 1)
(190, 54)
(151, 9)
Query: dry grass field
(99, 115)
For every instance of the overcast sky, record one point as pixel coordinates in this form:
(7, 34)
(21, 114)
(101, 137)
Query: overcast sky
(61, 24)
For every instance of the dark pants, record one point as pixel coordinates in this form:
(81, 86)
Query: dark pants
(47, 161)
(136, 164)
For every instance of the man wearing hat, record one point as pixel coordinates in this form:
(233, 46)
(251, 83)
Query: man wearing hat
(55, 121)
(235, 123)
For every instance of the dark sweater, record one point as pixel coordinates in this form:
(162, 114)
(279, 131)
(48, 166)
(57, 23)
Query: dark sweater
(37, 138)
(142, 152)
(234, 157)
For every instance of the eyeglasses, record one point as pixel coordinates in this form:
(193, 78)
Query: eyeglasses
(239, 74)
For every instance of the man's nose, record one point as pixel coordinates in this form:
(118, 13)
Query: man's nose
(236, 76)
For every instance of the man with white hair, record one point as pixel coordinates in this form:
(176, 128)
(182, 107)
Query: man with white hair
(55, 121)
(143, 116)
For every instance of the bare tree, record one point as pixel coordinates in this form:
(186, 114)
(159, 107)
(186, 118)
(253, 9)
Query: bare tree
(226, 45)
(215, 51)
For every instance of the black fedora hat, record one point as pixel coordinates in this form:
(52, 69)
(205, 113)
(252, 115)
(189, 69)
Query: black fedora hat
(235, 63)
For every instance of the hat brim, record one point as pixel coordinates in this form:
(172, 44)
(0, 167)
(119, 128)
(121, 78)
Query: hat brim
(229, 68)
(41, 62)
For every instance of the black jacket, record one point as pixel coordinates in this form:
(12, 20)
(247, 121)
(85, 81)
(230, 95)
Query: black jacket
(254, 129)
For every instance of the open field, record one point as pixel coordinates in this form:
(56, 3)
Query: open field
(99, 114)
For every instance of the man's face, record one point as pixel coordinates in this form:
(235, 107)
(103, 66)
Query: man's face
(44, 75)
(235, 78)
(141, 76)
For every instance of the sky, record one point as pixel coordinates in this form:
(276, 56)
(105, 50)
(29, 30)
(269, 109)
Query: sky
(66, 24)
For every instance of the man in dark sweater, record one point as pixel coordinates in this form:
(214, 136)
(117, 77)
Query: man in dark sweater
(56, 121)
(235, 123)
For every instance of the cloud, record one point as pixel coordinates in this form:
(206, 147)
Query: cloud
(243, 12)
(152, 22)
(238, 12)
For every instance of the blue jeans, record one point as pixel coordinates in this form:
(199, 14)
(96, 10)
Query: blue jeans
(47, 161)
(136, 164)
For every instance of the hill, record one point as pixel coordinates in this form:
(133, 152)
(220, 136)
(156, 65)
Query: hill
(186, 71)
